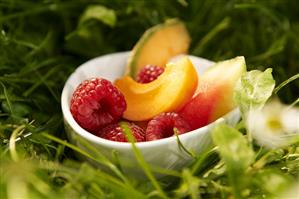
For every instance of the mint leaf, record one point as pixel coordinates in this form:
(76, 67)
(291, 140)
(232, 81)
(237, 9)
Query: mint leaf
(100, 13)
(254, 89)
(237, 155)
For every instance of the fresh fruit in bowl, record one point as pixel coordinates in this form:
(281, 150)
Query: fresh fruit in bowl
(156, 100)
(169, 92)
(163, 153)
(170, 101)
(156, 94)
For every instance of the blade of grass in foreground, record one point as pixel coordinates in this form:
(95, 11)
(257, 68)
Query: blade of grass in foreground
(7, 98)
(141, 160)
(280, 86)
(12, 142)
(294, 103)
(181, 146)
(99, 158)
(204, 160)
(65, 143)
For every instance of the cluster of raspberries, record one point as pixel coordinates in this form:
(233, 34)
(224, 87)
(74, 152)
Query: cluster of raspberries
(97, 106)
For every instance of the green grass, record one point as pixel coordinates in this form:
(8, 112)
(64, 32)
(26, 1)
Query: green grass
(42, 42)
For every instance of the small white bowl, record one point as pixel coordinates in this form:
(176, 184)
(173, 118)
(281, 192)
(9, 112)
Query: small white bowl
(164, 153)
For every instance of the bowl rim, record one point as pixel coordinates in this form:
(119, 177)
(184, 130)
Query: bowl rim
(68, 118)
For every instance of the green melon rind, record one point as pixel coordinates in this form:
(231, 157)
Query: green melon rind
(132, 61)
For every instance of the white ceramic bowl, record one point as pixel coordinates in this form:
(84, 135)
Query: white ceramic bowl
(164, 153)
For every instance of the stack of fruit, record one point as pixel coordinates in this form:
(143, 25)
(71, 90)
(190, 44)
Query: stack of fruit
(155, 97)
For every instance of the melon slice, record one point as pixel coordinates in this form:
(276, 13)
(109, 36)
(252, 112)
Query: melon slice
(214, 95)
(157, 45)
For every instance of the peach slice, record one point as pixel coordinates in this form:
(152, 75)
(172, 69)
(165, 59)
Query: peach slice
(169, 92)
(214, 95)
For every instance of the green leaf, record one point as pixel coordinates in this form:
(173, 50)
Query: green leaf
(88, 38)
(19, 109)
(273, 182)
(100, 13)
(233, 147)
(254, 89)
(189, 186)
(236, 154)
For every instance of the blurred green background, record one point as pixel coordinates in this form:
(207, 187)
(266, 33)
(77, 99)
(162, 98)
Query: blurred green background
(37, 36)
(43, 41)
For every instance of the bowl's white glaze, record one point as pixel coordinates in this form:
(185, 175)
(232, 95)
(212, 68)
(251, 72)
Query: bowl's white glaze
(164, 153)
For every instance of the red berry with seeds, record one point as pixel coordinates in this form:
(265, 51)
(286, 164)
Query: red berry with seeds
(97, 103)
(114, 132)
(149, 73)
(162, 126)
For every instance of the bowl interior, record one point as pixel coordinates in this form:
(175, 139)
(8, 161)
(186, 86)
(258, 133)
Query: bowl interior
(111, 67)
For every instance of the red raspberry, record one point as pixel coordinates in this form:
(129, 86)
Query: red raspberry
(97, 103)
(115, 133)
(162, 126)
(149, 73)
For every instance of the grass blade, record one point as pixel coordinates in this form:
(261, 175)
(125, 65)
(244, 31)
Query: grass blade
(141, 160)
(280, 86)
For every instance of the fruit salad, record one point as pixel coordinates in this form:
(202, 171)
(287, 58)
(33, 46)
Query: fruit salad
(155, 98)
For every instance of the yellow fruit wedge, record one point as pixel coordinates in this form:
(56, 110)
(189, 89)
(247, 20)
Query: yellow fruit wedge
(157, 45)
(169, 92)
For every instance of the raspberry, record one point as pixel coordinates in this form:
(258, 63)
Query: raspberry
(97, 103)
(149, 73)
(162, 126)
(115, 133)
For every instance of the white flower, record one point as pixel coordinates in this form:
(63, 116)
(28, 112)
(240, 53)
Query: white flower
(292, 192)
(275, 125)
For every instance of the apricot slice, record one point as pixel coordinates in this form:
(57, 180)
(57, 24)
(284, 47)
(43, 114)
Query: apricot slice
(169, 92)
